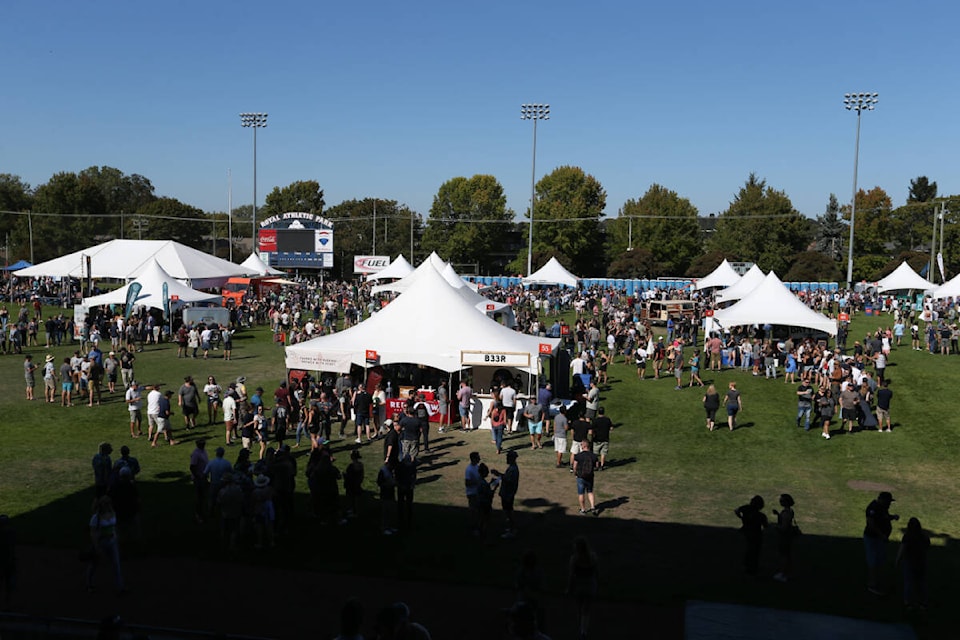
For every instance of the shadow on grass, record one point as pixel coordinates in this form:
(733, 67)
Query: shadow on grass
(620, 462)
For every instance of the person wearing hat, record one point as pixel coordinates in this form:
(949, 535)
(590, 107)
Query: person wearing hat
(875, 536)
(49, 379)
(110, 366)
(241, 389)
(29, 369)
(509, 483)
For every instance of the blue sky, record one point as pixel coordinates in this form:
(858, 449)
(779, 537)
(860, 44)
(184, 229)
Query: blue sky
(389, 100)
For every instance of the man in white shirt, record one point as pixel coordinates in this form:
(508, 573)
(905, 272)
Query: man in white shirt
(230, 413)
(133, 401)
(205, 337)
(508, 398)
(153, 410)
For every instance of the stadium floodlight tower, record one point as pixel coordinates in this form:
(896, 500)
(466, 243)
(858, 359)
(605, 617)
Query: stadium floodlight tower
(254, 121)
(856, 102)
(533, 112)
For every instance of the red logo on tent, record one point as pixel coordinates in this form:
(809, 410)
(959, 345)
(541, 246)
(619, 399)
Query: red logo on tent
(372, 356)
(708, 313)
(844, 317)
(490, 307)
(565, 330)
(545, 348)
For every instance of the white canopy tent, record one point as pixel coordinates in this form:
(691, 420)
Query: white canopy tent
(485, 305)
(429, 324)
(127, 258)
(750, 280)
(433, 262)
(771, 302)
(722, 276)
(151, 281)
(903, 278)
(256, 267)
(949, 289)
(552, 273)
(397, 269)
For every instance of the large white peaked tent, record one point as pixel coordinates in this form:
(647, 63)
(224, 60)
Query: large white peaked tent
(722, 276)
(433, 262)
(772, 303)
(750, 280)
(552, 273)
(429, 324)
(902, 278)
(151, 281)
(127, 258)
(397, 269)
(949, 289)
(256, 267)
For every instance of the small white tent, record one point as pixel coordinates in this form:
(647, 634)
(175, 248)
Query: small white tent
(127, 258)
(397, 269)
(722, 276)
(750, 280)
(903, 278)
(485, 305)
(552, 273)
(256, 267)
(771, 302)
(949, 289)
(151, 281)
(429, 324)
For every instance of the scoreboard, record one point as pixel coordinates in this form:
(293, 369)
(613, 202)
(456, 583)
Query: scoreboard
(297, 239)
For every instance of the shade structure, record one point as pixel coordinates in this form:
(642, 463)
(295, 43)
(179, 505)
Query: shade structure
(771, 303)
(552, 273)
(432, 262)
(19, 264)
(750, 280)
(429, 324)
(483, 304)
(722, 276)
(256, 267)
(127, 258)
(151, 282)
(397, 269)
(903, 278)
(949, 289)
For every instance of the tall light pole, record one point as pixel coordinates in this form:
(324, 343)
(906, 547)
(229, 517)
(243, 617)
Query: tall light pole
(533, 112)
(254, 121)
(856, 102)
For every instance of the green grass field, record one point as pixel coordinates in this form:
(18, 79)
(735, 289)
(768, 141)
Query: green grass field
(667, 532)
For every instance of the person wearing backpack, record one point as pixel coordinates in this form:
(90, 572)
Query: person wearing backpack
(584, 466)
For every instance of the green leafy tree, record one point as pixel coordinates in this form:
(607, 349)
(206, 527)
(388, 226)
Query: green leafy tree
(353, 230)
(873, 232)
(661, 222)
(15, 196)
(830, 230)
(170, 219)
(922, 190)
(69, 210)
(468, 223)
(569, 209)
(813, 266)
(303, 195)
(762, 226)
(638, 262)
(122, 194)
(705, 263)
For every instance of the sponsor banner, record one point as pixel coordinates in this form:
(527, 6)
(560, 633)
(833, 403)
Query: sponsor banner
(546, 348)
(844, 317)
(495, 359)
(132, 292)
(318, 361)
(370, 264)
(267, 240)
(323, 241)
(396, 405)
(371, 356)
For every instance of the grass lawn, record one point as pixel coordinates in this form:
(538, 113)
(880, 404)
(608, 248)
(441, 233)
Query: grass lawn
(667, 532)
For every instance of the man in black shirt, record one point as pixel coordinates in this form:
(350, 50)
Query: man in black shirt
(409, 435)
(884, 395)
(602, 426)
(391, 444)
(875, 537)
(580, 433)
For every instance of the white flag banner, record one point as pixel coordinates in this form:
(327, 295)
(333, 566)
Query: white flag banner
(943, 278)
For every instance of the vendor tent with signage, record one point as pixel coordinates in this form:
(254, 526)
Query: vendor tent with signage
(397, 269)
(151, 282)
(771, 302)
(904, 278)
(722, 276)
(258, 268)
(750, 280)
(126, 259)
(552, 273)
(429, 324)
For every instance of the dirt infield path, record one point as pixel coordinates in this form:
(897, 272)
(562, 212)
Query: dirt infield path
(278, 603)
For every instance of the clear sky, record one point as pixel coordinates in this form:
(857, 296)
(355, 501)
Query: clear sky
(391, 99)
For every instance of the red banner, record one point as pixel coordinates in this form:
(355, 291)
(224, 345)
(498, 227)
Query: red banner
(268, 240)
(545, 348)
(844, 317)
(395, 407)
(372, 357)
(708, 313)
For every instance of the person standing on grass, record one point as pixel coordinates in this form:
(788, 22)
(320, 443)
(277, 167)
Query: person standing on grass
(498, 420)
(188, 398)
(353, 484)
(582, 583)
(212, 391)
(533, 412)
(875, 536)
(443, 398)
(406, 474)
(464, 395)
(584, 465)
(601, 428)
(134, 402)
(102, 469)
(734, 403)
(912, 558)
(509, 484)
(153, 410)
(804, 402)
(104, 543)
(695, 368)
(560, 426)
(387, 483)
(508, 399)
(753, 522)
(849, 400)
(884, 396)
(471, 482)
(229, 415)
(787, 531)
(66, 384)
(711, 403)
(49, 379)
(127, 359)
(29, 374)
(198, 472)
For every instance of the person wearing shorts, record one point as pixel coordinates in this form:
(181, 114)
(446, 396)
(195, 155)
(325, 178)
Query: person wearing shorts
(464, 394)
(560, 424)
(734, 404)
(66, 383)
(134, 402)
(533, 412)
(581, 431)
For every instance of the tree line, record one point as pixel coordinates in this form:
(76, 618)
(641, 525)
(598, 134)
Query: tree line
(469, 224)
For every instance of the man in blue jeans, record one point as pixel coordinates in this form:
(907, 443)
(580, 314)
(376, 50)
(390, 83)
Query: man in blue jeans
(804, 402)
(584, 464)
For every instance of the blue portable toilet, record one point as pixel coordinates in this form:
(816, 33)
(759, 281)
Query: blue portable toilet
(618, 283)
(644, 284)
(629, 286)
(833, 286)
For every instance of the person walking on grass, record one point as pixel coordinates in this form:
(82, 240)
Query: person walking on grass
(498, 421)
(509, 484)
(884, 396)
(601, 428)
(582, 583)
(787, 531)
(584, 466)
(734, 403)
(695, 368)
(104, 543)
(66, 384)
(29, 374)
(912, 558)
(752, 523)
(804, 402)
(533, 413)
(560, 426)
(711, 404)
(133, 400)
